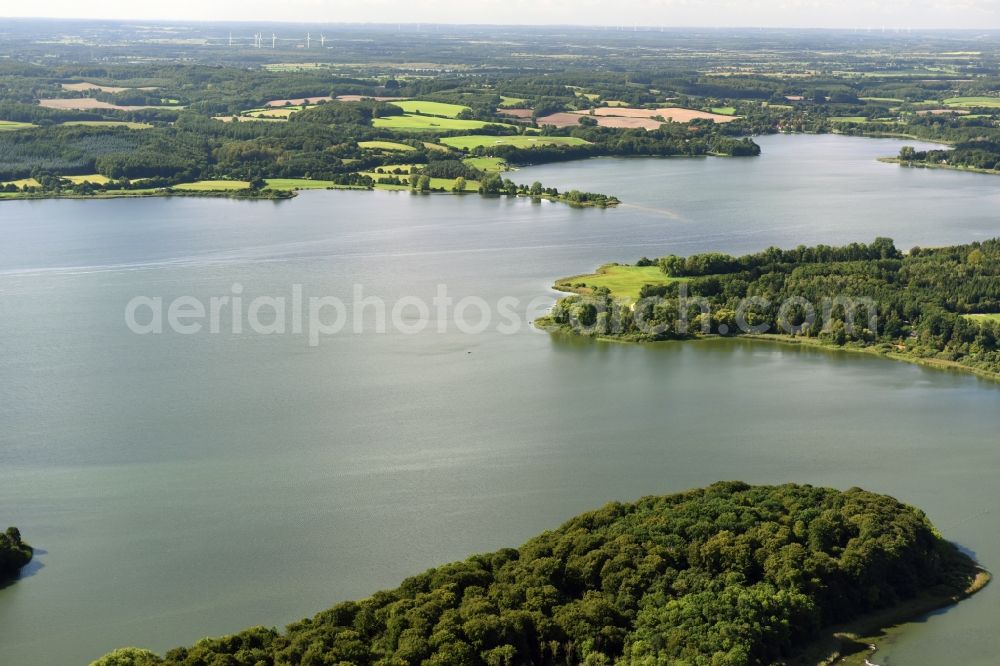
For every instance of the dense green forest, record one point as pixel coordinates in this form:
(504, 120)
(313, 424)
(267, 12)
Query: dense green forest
(926, 304)
(728, 575)
(14, 553)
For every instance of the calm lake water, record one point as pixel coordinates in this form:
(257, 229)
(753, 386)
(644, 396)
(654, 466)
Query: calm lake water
(181, 486)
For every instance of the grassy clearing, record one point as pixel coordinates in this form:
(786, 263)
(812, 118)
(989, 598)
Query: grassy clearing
(992, 102)
(413, 123)
(425, 108)
(94, 178)
(436, 146)
(511, 102)
(107, 123)
(282, 112)
(724, 110)
(848, 119)
(624, 281)
(213, 186)
(24, 182)
(388, 169)
(984, 317)
(10, 125)
(473, 140)
(892, 100)
(385, 145)
(436, 183)
(487, 164)
(298, 184)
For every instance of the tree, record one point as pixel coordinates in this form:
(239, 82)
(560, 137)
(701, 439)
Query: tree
(459, 185)
(491, 184)
(128, 656)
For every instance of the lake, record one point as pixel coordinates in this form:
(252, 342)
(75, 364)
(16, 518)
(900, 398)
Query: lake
(179, 486)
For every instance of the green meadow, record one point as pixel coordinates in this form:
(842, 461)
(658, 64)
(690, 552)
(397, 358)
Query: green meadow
(487, 164)
(436, 183)
(848, 119)
(298, 184)
(426, 108)
(724, 110)
(983, 317)
(93, 178)
(413, 123)
(9, 125)
(624, 281)
(385, 145)
(511, 102)
(213, 186)
(992, 102)
(475, 140)
(276, 111)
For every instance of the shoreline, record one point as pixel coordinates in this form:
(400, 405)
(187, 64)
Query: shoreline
(276, 195)
(546, 323)
(929, 165)
(852, 643)
(935, 363)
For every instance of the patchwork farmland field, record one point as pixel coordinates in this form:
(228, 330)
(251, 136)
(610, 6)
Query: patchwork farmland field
(414, 123)
(213, 185)
(425, 108)
(89, 104)
(278, 112)
(991, 102)
(523, 114)
(298, 184)
(632, 118)
(93, 178)
(84, 86)
(385, 145)
(474, 140)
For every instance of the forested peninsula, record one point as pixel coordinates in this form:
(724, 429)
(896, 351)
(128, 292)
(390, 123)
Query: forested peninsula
(937, 306)
(730, 574)
(14, 553)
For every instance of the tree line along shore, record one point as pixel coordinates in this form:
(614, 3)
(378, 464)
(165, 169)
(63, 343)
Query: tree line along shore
(935, 306)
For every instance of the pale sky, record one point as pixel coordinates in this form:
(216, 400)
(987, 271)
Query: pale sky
(979, 14)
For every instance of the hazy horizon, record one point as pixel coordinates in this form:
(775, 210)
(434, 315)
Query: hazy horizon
(816, 14)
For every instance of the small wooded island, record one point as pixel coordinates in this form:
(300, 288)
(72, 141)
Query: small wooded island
(730, 574)
(937, 306)
(14, 553)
